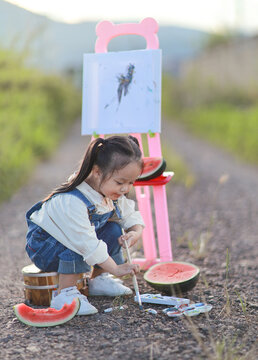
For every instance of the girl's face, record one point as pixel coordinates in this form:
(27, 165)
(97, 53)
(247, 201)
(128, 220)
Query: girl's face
(120, 182)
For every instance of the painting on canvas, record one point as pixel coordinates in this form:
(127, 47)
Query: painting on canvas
(121, 92)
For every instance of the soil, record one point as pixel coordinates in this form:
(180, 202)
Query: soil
(219, 211)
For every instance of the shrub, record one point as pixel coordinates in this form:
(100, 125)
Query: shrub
(35, 113)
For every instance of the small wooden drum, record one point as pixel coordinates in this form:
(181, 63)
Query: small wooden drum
(39, 285)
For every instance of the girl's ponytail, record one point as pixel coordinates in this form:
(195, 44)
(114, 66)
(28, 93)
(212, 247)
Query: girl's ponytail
(91, 155)
(84, 170)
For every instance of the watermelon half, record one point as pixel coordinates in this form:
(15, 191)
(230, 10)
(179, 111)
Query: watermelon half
(172, 277)
(46, 317)
(152, 168)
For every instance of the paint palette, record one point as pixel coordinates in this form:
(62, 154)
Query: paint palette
(187, 309)
(162, 300)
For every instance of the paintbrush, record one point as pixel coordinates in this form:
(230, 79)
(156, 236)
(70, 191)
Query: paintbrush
(135, 282)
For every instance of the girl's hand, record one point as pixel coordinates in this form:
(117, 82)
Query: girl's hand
(119, 270)
(125, 269)
(131, 237)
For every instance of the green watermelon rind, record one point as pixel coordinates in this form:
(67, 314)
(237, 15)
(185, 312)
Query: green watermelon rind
(173, 288)
(157, 171)
(74, 306)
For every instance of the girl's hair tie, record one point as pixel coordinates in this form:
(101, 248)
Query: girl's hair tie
(103, 142)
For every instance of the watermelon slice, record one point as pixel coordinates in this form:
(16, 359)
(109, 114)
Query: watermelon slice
(46, 317)
(172, 277)
(152, 168)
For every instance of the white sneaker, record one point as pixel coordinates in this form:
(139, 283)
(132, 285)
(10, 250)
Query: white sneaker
(67, 295)
(104, 285)
(112, 277)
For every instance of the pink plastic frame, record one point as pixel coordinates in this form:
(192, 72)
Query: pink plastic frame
(147, 28)
(106, 31)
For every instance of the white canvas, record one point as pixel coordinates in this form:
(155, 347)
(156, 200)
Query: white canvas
(121, 92)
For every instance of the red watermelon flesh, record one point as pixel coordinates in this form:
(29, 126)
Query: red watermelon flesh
(46, 317)
(152, 168)
(172, 277)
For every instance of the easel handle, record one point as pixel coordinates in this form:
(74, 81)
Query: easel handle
(106, 31)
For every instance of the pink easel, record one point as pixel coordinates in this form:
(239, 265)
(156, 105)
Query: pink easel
(147, 28)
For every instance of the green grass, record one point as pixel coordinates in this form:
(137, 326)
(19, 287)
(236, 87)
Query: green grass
(224, 118)
(35, 112)
(235, 129)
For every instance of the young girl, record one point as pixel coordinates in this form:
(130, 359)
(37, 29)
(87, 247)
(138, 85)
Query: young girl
(79, 224)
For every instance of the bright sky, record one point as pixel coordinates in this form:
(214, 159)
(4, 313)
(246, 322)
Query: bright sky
(208, 15)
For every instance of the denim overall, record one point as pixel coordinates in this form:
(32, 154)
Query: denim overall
(48, 254)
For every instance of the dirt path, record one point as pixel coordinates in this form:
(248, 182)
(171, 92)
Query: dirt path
(233, 205)
(225, 213)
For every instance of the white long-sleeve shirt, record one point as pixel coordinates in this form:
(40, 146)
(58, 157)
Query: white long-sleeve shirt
(65, 217)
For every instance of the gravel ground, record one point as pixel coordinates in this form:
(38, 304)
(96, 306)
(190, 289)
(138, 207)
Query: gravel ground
(218, 212)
